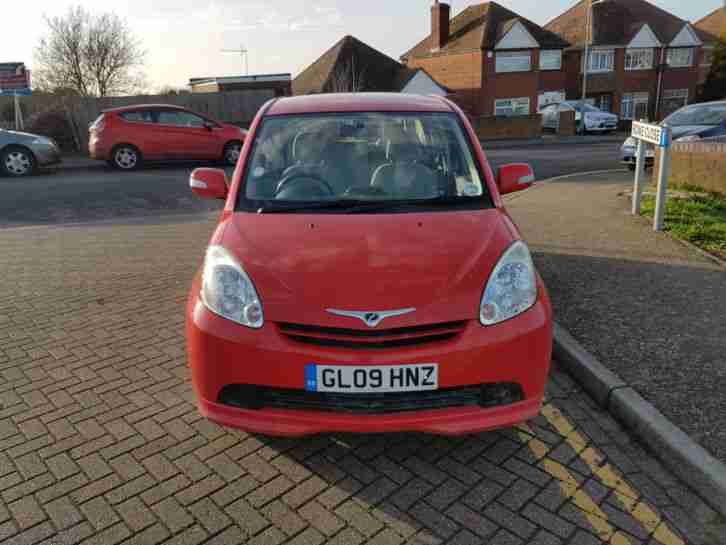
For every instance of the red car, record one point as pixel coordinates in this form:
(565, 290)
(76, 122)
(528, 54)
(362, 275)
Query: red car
(365, 276)
(125, 137)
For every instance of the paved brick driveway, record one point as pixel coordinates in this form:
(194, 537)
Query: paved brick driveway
(100, 442)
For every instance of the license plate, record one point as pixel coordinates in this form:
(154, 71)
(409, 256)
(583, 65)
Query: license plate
(371, 378)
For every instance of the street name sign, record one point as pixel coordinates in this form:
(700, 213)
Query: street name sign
(654, 134)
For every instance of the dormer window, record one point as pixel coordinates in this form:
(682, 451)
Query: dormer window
(639, 59)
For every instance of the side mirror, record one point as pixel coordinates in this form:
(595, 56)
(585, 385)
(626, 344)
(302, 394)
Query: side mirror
(208, 125)
(514, 177)
(209, 183)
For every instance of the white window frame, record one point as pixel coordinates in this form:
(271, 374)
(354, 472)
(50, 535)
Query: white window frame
(633, 99)
(643, 57)
(512, 104)
(503, 68)
(606, 55)
(677, 50)
(707, 51)
(553, 54)
(674, 95)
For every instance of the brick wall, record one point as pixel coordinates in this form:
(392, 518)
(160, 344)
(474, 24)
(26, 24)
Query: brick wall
(699, 164)
(568, 124)
(462, 73)
(504, 127)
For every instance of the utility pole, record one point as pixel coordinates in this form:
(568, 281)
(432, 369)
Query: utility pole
(244, 56)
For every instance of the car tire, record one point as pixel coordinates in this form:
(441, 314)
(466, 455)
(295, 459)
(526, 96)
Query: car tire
(17, 161)
(231, 153)
(126, 157)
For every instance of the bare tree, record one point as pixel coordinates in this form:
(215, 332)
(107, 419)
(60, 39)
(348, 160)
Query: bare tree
(93, 55)
(347, 77)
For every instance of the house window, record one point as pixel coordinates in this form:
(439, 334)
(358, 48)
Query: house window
(680, 57)
(550, 59)
(707, 59)
(605, 103)
(639, 59)
(514, 61)
(634, 106)
(601, 60)
(672, 100)
(511, 106)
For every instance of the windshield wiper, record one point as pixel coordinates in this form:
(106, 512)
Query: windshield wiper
(291, 207)
(394, 205)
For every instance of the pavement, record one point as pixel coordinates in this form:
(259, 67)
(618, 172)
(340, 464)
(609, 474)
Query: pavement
(101, 443)
(548, 139)
(646, 306)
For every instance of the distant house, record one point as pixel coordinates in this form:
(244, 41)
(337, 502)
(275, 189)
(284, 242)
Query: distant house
(713, 25)
(353, 66)
(495, 61)
(643, 61)
(280, 84)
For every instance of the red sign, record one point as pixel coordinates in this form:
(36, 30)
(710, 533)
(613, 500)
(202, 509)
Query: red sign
(14, 76)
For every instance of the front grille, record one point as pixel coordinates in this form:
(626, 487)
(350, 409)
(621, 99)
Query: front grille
(247, 396)
(371, 339)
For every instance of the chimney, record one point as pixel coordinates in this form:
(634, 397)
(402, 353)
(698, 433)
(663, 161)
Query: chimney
(440, 25)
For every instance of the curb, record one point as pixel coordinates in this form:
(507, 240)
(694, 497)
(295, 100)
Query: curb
(587, 173)
(682, 455)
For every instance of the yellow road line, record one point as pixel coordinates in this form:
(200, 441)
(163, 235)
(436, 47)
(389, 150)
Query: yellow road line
(595, 516)
(628, 497)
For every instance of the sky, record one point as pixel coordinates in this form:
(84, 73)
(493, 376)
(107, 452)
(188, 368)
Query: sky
(184, 38)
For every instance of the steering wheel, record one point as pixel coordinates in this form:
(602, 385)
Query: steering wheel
(297, 177)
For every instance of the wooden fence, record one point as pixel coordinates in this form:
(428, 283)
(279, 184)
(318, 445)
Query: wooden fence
(238, 107)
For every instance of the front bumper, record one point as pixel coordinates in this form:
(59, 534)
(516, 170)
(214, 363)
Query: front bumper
(46, 155)
(222, 353)
(627, 156)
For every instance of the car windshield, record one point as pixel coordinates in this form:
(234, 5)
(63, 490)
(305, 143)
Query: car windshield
(582, 106)
(350, 160)
(698, 114)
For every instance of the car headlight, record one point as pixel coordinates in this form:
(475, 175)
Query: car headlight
(689, 138)
(511, 288)
(228, 291)
(630, 142)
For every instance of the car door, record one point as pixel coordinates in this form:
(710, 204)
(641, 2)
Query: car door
(189, 135)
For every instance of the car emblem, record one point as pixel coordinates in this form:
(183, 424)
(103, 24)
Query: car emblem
(371, 318)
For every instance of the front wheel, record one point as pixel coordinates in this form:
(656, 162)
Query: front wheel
(231, 153)
(16, 161)
(126, 157)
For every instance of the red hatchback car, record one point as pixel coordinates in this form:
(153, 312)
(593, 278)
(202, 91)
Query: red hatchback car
(125, 137)
(365, 276)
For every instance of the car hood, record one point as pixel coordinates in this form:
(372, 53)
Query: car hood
(687, 130)
(435, 262)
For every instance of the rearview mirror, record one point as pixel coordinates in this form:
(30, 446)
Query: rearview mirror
(514, 177)
(209, 183)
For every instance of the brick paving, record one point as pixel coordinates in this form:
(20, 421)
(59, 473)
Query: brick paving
(100, 441)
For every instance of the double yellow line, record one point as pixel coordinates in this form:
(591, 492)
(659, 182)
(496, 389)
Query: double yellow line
(626, 495)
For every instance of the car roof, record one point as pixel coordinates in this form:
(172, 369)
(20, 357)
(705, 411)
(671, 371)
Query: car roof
(358, 102)
(135, 107)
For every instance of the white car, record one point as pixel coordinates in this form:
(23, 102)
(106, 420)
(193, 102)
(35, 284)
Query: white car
(587, 117)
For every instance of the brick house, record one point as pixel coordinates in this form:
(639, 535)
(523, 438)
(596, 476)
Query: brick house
(352, 65)
(644, 62)
(713, 24)
(494, 61)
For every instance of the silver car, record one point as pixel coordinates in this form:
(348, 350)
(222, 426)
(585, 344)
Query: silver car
(693, 123)
(22, 152)
(588, 118)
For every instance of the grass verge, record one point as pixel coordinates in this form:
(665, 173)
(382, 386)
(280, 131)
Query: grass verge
(699, 219)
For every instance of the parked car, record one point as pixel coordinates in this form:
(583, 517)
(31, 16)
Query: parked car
(588, 118)
(126, 137)
(366, 277)
(705, 121)
(22, 152)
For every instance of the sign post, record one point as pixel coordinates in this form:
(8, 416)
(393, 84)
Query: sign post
(15, 82)
(661, 137)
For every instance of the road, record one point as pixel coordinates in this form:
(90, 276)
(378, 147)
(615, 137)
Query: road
(73, 194)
